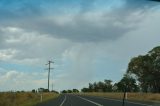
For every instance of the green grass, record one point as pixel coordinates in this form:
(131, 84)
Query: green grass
(24, 99)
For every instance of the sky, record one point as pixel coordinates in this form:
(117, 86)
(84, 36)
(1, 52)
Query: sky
(88, 40)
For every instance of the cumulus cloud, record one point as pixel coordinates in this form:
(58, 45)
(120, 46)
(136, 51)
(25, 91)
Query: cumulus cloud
(15, 80)
(21, 46)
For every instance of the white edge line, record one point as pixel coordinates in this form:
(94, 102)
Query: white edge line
(126, 101)
(129, 102)
(139, 103)
(90, 101)
(63, 101)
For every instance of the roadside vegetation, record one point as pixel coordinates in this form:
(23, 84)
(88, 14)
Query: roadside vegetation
(24, 98)
(139, 97)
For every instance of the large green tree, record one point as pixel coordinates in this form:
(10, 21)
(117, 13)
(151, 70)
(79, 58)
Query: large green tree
(147, 70)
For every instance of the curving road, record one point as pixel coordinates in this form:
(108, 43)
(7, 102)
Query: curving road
(76, 100)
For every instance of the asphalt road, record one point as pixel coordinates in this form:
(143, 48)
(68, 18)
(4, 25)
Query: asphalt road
(75, 100)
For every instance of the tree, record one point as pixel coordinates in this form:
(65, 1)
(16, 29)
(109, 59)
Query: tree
(147, 70)
(101, 86)
(95, 86)
(55, 91)
(69, 91)
(91, 87)
(108, 85)
(64, 91)
(85, 90)
(33, 91)
(127, 82)
(43, 90)
(75, 90)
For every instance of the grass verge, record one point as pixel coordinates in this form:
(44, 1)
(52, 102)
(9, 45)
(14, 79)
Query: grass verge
(24, 99)
(141, 97)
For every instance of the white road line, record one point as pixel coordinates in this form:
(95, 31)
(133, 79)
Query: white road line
(63, 101)
(125, 101)
(139, 103)
(128, 102)
(90, 101)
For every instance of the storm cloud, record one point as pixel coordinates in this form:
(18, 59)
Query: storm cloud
(70, 21)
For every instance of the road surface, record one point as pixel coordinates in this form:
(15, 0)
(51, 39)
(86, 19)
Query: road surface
(75, 100)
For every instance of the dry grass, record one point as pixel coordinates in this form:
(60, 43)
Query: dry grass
(144, 97)
(23, 99)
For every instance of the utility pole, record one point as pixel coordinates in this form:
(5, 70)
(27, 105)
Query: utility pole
(49, 68)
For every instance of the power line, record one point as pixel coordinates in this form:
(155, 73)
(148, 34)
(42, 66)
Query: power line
(49, 68)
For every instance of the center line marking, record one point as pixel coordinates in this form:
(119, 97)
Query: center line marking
(63, 101)
(90, 101)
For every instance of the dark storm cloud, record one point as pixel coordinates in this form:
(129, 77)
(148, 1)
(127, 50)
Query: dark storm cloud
(82, 29)
(155, 0)
(33, 16)
(135, 5)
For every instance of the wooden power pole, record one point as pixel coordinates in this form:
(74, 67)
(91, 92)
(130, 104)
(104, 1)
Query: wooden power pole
(49, 68)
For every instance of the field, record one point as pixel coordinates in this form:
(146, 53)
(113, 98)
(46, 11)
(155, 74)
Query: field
(143, 97)
(24, 99)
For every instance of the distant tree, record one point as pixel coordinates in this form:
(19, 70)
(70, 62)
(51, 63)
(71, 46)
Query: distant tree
(46, 90)
(85, 90)
(22, 91)
(75, 90)
(64, 91)
(69, 91)
(115, 87)
(40, 89)
(17, 91)
(91, 87)
(108, 86)
(55, 91)
(43, 90)
(33, 91)
(95, 85)
(100, 86)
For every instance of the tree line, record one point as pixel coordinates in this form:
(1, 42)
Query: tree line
(107, 86)
(70, 91)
